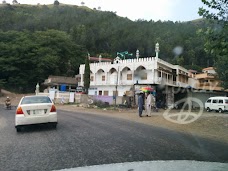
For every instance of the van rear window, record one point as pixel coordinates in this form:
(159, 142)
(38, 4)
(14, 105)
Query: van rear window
(226, 101)
(220, 101)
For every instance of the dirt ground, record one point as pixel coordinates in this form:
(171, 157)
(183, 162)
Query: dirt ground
(209, 125)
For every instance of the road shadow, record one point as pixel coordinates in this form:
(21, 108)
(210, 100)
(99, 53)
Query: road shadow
(37, 128)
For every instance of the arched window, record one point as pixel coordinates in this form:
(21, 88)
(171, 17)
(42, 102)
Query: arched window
(141, 73)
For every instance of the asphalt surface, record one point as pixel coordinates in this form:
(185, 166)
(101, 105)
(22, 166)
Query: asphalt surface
(85, 139)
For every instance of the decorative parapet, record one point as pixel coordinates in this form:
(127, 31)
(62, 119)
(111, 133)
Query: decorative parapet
(119, 62)
(148, 59)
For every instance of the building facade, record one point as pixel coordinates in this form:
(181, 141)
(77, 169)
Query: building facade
(206, 84)
(125, 76)
(171, 82)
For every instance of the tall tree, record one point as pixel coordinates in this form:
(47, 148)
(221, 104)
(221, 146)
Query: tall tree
(217, 35)
(87, 74)
(41, 53)
(14, 2)
(56, 2)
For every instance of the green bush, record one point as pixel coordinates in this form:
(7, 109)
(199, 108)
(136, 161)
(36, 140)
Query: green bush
(100, 103)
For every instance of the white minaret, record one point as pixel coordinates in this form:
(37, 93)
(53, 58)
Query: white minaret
(137, 54)
(157, 50)
(100, 58)
(37, 89)
(89, 56)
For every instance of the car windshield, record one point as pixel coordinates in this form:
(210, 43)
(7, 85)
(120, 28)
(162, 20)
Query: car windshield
(35, 99)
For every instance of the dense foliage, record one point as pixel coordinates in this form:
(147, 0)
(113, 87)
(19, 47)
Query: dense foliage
(29, 57)
(216, 35)
(37, 41)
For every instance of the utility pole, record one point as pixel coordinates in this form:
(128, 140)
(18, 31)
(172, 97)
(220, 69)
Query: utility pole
(117, 78)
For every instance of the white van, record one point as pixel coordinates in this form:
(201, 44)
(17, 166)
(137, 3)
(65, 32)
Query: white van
(219, 104)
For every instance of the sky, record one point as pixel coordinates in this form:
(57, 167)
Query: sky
(164, 10)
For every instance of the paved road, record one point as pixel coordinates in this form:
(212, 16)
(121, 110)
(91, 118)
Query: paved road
(85, 139)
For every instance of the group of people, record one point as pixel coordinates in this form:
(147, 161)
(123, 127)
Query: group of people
(150, 101)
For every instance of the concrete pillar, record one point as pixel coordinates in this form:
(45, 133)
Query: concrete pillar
(82, 80)
(106, 78)
(133, 77)
(119, 78)
(95, 75)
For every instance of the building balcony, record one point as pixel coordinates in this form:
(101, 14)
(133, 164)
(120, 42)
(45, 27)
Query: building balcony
(209, 86)
(132, 82)
(164, 81)
(217, 88)
(205, 76)
(181, 84)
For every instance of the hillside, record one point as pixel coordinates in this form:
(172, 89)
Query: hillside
(53, 40)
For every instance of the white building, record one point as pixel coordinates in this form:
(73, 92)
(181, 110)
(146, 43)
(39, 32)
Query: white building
(126, 76)
(206, 84)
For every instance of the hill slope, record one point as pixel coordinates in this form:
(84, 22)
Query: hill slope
(53, 40)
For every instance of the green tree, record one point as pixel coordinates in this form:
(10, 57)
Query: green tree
(78, 34)
(216, 36)
(41, 53)
(87, 74)
(56, 2)
(222, 69)
(14, 2)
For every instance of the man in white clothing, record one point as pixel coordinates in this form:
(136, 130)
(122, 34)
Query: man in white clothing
(148, 103)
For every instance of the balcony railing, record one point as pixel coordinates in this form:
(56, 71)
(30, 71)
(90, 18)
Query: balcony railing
(132, 82)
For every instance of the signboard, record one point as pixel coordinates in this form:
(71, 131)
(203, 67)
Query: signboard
(52, 94)
(71, 99)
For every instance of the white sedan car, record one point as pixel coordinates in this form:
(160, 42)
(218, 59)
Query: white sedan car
(35, 110)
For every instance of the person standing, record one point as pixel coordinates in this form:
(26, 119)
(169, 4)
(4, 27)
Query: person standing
(140, 104)
(153, 103)
(8, 103)
(150, 103)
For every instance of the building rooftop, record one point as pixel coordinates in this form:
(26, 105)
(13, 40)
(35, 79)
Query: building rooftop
(208, 68)
(192, 71)
(56, 80)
